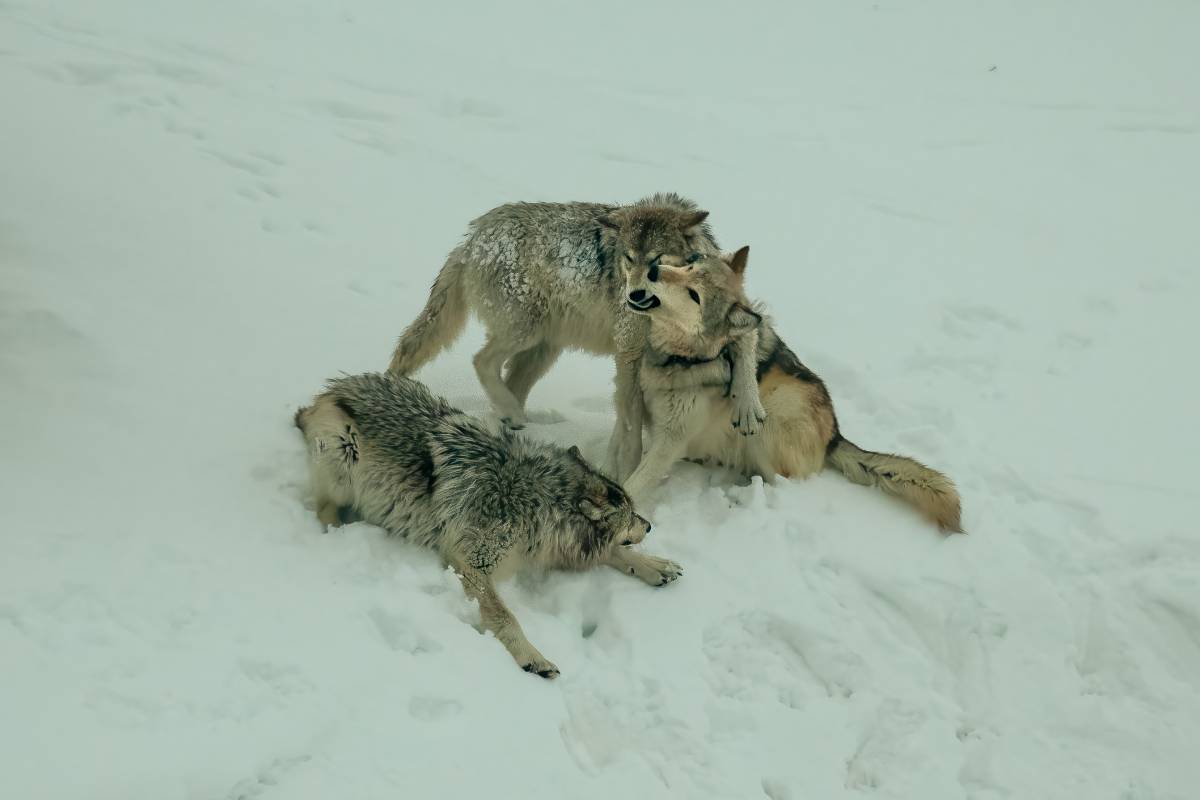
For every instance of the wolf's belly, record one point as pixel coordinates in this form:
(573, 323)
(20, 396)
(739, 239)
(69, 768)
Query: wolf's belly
(793, 439)
(706, 418)
(584, 326)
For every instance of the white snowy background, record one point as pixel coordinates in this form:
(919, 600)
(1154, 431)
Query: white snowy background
(977, 221)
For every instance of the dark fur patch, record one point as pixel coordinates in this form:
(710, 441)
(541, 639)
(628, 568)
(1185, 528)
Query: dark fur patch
(782, 356)
(345, 408)
(425, 467)
(675, 360)
(595, 540)
(602, 252)
(349, 445)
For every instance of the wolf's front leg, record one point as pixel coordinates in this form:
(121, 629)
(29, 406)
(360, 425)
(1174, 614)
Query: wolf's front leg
(748, 412)
(500, 621)
(625, 446)
(651, 569)
(667, 446)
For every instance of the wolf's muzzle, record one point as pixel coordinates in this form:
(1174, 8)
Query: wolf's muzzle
(640, 301)
(637, 536)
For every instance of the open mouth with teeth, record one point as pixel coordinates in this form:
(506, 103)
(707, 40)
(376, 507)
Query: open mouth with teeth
(645, 305)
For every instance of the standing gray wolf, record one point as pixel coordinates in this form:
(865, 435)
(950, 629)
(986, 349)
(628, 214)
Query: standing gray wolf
(383, 449)
(687, 380)
(543, 277)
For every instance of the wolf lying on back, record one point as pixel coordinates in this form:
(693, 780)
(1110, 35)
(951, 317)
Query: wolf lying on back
(386, 450)
(547, 276)
(686, 377)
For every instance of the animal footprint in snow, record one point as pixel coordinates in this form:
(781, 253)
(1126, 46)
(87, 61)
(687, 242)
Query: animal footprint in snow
(429, 708)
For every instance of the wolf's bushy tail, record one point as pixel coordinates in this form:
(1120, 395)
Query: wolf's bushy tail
(927, 489)
(438, 324)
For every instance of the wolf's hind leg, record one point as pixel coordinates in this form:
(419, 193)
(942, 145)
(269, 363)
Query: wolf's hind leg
(500, 621)
(333, 452)
(651, 569)
(334, 514)
(327, 512)
(488, 364)
(527, 367)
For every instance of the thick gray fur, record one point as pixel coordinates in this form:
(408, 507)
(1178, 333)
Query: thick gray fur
(544, 277)
(384, 449)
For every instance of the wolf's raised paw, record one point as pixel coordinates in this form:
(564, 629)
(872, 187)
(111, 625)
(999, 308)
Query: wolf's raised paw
(543, 668)
(748, 415)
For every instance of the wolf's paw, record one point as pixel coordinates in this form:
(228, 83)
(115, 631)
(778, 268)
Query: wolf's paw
(748, 415)
(540, 666)
(656, 571)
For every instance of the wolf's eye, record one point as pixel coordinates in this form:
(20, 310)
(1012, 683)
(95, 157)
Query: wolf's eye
(692, 294)
(627, 257)
(693, 258)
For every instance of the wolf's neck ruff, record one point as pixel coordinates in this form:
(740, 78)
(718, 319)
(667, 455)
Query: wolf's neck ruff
(677, 360)
(685, 361)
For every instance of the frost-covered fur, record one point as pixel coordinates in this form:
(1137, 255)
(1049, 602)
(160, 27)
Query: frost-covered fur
(543, 277)
(383, 449)
(694, 368)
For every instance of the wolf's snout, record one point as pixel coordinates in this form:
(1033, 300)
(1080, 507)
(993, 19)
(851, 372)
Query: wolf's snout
(641, 527)
(639, 300)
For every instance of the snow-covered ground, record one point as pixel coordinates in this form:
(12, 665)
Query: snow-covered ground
(978, 222)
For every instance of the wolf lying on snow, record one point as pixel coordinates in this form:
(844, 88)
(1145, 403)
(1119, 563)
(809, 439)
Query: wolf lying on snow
(386, 450)
(688, 372)
(547, 276)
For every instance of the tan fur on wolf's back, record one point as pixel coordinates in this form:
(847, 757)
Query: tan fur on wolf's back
(800, 423)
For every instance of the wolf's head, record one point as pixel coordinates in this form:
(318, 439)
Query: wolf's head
(649, 237)
(701, 306)
(607, 510)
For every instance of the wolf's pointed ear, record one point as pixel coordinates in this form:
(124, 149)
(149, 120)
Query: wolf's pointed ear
(690, 219)
(608, 221)
(738, 262)
(573, 451)
(742, 319)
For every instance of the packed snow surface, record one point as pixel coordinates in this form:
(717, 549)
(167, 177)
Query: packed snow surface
(978, 222)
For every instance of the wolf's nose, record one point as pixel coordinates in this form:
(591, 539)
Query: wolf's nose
(637, 296)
